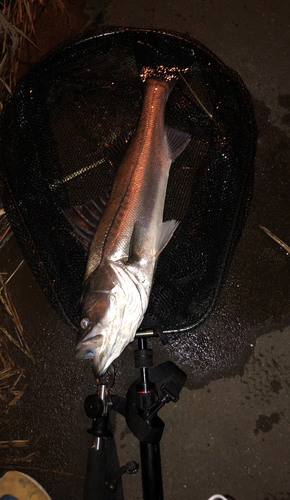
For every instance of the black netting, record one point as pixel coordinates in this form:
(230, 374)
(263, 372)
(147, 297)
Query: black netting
(55, 129)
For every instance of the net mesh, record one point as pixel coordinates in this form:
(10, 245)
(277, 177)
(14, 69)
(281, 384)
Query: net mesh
(55, 129)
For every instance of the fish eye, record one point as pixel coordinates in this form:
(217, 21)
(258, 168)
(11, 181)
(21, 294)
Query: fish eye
(84, 323)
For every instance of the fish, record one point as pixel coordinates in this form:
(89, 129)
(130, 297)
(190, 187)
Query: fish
(130, 234)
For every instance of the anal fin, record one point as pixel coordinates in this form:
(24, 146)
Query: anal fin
(165, 234)
(177, 142)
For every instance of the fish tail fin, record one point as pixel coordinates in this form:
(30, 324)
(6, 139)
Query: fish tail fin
(153, 63)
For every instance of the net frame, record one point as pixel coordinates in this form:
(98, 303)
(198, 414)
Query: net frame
(55, 131)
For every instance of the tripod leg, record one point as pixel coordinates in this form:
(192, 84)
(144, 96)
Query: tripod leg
(95, 483)
(151, 471)
(149, 452)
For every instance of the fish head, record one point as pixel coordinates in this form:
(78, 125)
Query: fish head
(110, 316)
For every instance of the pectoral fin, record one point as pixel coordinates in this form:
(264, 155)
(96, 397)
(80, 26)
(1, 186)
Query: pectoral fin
(165, 233)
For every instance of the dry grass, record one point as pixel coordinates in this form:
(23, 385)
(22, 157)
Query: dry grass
(13, 382)
(17, 19)
(12, 377)
(44, 471)
(275, 238)
(4, 226)
(16, 26)
(16, 460)
(9, 307)
(17, 443)
(195, 96)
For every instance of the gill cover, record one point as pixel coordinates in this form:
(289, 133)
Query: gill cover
(114, 303)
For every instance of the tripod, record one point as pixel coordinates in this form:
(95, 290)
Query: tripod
(145, 397)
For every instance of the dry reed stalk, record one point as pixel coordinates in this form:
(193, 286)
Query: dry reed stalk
(18, 395)
(27, 458)
(45, 471)
(12, 274)
(11, 375)
(16, 443)
(16, 26)
(4, 234)
(4, 225)
(12, 339)
(196, 97)
(275, 238)
(5, 378)
(6, 300)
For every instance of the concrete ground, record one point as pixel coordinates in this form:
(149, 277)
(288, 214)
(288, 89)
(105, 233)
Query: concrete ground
(229, 432)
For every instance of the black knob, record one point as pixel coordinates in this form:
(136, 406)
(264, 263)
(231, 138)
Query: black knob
(94, 406)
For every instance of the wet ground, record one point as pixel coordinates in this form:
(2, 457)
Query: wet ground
(229, 432)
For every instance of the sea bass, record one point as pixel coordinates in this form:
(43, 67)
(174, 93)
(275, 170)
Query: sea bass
(130, 235)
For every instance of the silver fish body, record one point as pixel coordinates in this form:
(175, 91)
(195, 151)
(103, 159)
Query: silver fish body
(130, 235)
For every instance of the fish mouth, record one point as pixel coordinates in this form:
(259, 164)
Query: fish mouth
(101, 363)
(86, 349)
(94, 348)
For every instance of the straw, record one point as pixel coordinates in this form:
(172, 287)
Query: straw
(194, 94)
(16, 443)
(275, 238)
(6, 300)
(45, 471)
(12, 376)
(16, 26)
